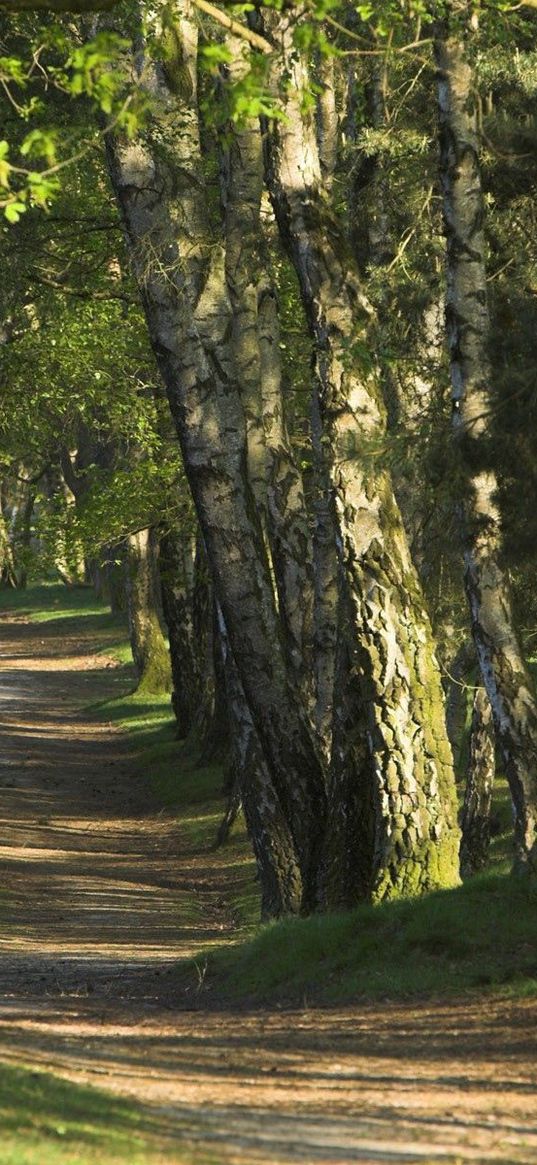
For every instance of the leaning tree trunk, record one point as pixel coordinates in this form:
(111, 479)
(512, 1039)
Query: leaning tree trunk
(159, 182)
(274, 475)
(409, 761)
(149, 651)
(475, 819)
(503, 667)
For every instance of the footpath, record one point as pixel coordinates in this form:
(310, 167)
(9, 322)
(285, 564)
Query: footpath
(95, 915)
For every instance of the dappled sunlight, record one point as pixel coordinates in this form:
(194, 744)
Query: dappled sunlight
(110, 906)
(97, 888)
(309, 1083)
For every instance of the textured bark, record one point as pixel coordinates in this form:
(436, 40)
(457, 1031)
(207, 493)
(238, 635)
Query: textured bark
(327, 117)
(160, 186)
(215, 743)
(327, 589)
(503, 667)
(456, 683)
(350, 858)
(275, 854)
(274, 475)
(288, 520)
(149, 650)
(475, 819)
(176, 569)
(416, 835)
(380, 244)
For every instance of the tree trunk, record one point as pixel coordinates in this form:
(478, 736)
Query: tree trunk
(327, 117)
(475, 819)
(215, 743)
(456, 684)
(181, 274)
(8, 575)
(277, 863)
(503, 667)
(274, 476)
(114, 572)
(176, 568)
(327, 587)
(149, 650)
(416, 835)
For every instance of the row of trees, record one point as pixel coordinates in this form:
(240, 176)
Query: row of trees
(284, 225)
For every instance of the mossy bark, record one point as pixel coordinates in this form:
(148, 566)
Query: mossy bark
(400, 694)
(149, 650)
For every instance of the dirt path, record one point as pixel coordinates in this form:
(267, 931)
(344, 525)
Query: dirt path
(95, 910)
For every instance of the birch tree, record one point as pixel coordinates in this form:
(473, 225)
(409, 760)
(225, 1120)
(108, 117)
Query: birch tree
(160, 185)
(408, 763)
(503, 667)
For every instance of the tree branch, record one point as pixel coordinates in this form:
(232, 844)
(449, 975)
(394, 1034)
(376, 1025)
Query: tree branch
(83, 6)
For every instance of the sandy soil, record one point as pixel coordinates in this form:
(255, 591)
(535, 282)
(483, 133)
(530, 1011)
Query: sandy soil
(94, 914)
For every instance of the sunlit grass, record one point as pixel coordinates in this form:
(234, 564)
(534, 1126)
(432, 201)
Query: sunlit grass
(49, 1121)
(76, 611)
(481, 936)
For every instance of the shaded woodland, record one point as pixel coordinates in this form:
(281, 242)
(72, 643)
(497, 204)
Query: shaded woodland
(268, 384)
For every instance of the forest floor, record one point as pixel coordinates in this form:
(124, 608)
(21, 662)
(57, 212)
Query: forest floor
(101, 897)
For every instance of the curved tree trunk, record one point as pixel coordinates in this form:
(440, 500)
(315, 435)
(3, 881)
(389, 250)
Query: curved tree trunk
(416, 834)
(277, 863)
(503, 667)
(274, 475)
(160, 185)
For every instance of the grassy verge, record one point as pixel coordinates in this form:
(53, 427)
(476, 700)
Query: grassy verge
(179, 782)
(482, 935)
(49, 1121)
(75, 610)
(479, 936)
(175, 778)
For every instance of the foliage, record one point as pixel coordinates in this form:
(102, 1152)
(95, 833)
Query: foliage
(94, 69)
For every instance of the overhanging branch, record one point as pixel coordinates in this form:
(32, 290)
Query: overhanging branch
(84, 6)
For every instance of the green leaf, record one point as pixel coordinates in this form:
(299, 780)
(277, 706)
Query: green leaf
(13, 211)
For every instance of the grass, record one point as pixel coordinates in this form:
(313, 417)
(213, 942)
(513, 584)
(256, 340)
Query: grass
(178, 781)
(49, 1121)
(72, 609)
(175, 778)
(480, 936)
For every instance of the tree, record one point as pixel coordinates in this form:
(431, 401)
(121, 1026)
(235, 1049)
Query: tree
(509, 686)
